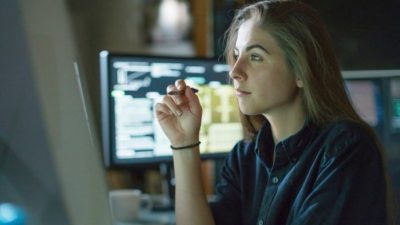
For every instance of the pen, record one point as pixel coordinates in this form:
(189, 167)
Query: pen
(181, 92)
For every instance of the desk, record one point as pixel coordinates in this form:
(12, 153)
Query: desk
(152, 218)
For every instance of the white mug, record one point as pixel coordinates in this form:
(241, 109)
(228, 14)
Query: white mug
(126, 204)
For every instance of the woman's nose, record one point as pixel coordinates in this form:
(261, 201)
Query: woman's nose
(237, 71)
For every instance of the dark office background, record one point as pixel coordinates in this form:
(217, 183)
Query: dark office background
(365, 34)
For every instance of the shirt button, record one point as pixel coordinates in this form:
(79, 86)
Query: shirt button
(275, 180)
(260, 222)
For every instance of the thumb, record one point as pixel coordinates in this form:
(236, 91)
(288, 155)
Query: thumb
(193, 100)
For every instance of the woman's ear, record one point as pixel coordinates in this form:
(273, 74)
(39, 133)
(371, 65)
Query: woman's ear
(299, 82)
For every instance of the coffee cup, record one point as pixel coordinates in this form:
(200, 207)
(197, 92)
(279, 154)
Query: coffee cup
(127, 204)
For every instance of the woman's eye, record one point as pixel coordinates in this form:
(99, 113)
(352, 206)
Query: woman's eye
(235, 56)
(255, 57)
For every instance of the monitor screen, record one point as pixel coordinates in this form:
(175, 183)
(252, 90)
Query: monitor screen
(365, 95)
(395, 104)
(132, 84)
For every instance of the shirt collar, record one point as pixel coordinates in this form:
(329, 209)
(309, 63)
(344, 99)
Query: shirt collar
(288, 150)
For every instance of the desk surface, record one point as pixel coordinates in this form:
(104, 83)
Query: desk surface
(152, 218)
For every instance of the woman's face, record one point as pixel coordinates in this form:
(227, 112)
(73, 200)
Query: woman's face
(261, 79)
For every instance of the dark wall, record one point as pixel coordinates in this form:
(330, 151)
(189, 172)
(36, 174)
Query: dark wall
(365, 33)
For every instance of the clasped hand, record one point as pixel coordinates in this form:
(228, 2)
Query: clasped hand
(180, 115)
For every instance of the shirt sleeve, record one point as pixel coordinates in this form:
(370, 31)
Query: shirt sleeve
(350, 187)
(226, 207)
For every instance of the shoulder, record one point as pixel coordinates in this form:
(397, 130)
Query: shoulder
(346, 131)
(346, 136)
(346, 127)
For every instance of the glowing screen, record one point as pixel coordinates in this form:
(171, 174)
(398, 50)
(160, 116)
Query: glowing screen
(134, 84)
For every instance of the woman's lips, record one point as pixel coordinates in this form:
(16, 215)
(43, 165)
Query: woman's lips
(241, 92)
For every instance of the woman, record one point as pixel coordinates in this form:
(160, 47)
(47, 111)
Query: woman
(307, 158)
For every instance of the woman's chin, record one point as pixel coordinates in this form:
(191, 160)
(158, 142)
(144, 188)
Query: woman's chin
(250, 112)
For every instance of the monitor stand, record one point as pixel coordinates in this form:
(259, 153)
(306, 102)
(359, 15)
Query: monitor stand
(167, 202)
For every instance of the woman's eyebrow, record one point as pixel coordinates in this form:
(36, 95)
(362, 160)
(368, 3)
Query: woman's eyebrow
(248, 48)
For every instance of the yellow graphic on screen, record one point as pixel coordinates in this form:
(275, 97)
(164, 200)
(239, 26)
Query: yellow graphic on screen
(221, 127)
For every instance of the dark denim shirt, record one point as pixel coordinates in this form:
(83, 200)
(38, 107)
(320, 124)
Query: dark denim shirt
(331, 175)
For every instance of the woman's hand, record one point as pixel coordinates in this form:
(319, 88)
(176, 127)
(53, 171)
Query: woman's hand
(180, 115)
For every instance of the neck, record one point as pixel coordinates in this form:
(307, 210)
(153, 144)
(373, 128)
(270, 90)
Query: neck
(287, 121)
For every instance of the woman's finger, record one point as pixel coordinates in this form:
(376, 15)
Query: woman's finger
(173, 91)
(180, 84)
(170, 103)
(181, 87)
(162, 111)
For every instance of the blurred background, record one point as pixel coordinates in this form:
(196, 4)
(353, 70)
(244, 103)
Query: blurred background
(365, 34)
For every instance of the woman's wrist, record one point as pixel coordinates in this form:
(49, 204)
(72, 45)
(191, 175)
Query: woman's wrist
(184, 141)
(183, 147)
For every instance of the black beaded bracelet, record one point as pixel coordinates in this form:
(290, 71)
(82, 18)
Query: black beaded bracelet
(186, 146)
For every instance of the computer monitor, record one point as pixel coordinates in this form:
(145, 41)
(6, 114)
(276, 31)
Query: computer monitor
(375, 96)
(366, 97)
(50, 164)
(395, 104)
(130, 87)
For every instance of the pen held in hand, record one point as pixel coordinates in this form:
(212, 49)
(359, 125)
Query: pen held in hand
(181, 92)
